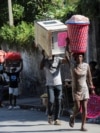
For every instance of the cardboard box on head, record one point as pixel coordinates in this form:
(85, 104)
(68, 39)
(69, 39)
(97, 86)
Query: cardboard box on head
(51, 36)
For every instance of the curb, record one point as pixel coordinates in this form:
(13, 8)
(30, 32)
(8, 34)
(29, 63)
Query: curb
(64, 112)
(37, 107)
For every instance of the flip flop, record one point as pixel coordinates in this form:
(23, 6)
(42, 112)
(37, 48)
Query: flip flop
(71, 121)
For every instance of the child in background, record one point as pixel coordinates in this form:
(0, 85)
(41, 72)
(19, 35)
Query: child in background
(14, 74)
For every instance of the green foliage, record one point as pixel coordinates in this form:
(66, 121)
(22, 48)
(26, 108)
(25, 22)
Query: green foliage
(22, 34)
(34, 9)
(7, 33)
(18, 11)
(57, 9)
(3, 12)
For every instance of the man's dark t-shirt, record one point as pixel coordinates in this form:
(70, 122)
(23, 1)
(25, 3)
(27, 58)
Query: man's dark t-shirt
(13, 79)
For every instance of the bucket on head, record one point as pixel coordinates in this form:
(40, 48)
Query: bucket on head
(78, 35)
(78, 26)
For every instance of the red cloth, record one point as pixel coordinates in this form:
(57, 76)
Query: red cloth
(93, 107)
(13, 56)
(62, 39)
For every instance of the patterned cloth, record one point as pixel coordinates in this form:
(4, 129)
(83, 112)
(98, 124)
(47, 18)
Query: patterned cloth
(93, 108)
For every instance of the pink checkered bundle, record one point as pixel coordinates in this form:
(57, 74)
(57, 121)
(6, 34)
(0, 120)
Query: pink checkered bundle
(93, 108)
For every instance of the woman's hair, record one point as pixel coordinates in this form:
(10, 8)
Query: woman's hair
(75, 55)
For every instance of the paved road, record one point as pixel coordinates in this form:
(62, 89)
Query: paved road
(34, 121)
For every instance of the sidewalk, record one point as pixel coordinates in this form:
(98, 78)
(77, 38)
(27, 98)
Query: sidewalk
(34, 103)
(31, 103)
(26, 103)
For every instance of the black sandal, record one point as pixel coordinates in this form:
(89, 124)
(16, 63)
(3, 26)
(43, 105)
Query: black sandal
(71, 121)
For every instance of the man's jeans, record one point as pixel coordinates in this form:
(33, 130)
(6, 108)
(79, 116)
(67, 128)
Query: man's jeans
(54, 100)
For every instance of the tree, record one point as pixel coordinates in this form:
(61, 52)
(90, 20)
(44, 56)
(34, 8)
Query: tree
(89, 8)
(11, 22)
(25, 12)
(3, 12)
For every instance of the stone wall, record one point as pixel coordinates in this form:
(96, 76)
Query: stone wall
(32, 77)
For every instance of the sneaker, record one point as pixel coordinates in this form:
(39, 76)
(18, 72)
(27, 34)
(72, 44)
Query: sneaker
(1, 105)
(57, 122)
(10, 107)
(16, 107)
(50, 121)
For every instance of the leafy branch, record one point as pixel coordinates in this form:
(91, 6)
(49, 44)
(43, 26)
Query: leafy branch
(22, 34)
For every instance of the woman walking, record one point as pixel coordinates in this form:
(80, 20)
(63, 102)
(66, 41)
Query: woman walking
(81, 78)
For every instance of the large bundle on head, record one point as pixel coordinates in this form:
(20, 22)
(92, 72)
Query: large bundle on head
(78, 26)
(13, 59)
(2, 56)
(13, 56)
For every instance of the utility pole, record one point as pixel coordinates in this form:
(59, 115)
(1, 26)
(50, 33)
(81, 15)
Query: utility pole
(10, 13)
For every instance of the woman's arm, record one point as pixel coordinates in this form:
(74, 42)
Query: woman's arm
(68, 53)
(89, 80)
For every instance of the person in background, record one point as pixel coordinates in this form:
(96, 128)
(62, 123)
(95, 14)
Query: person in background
(81, 78)
(51, 66)
(14, 78)
(1, 82)
(95, 71)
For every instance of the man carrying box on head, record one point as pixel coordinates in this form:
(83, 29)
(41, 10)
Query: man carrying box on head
(51, 65)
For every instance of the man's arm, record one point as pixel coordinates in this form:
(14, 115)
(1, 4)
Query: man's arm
(42, 63)
(19, 69)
